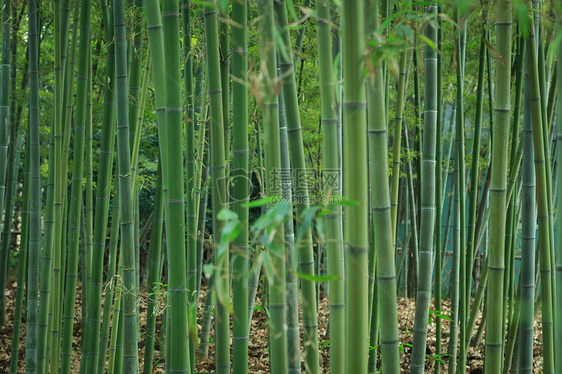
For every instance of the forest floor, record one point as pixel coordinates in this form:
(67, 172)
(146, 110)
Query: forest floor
(258, 360)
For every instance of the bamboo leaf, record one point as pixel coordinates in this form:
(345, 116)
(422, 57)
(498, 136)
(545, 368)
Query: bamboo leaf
(493, 51)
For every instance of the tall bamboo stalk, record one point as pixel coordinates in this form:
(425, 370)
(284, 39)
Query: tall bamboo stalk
(22, 263)
(130, 349)
(558, 334)
(32, 291)
(438, 203)
(396, 151)
(103, 188)
(219, 199)
(154, 273)
(174, 184)
(542, 196)
(275, 247)
(498, 182)
(60, 174)
(454, 289)
(427, 219)
(192, 180)
(301, 195)
(4, 120)
(293, 335)
(110, 297)
(240, 175)
(332, 187)
(11, 167)
(77, 175)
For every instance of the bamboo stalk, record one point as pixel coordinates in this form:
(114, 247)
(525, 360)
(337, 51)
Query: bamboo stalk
(301, 195)
(332, 175)
(275, 246)
(427, 219)
(355, 188)
(35, 197)
(498, 183)
(240, 175)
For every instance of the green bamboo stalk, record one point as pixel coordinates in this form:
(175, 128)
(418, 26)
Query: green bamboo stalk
(240, 175)
(498, 184)
(396, 152)
(22, 263)
(296, 148)
(32, 291)
(454, 289)
(11, 168)
(219, 199)
(89, 208)
(293, 336)
(542, 195)
(202, 215)
(59, 131)
(460, 11)
(355, 188)
(103, 188)
(427, 219)
(224, 53)
(130, 349)
(192, 181)
(548, 167)
(300, 37)
(528, 222)
(110, 300)
(116, 322)
(136, 49)
(253, 283)
(155, 273)
(513, 329)
(76, 196)
(275, 246)
(474, 182)
(479, 294)
(438, 203)
(558, 326)
(412, 207)
(4, 120)
(332, 174)
(206, 320)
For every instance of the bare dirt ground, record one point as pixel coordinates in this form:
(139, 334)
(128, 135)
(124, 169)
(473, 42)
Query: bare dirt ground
(258, 352)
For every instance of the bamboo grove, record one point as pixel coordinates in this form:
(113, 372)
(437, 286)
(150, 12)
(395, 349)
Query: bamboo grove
(173, 171)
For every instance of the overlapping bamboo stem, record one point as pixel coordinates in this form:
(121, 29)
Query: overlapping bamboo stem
(293, 336)
(301, 195)
(103, 188)
(542, 196)
(130, 349)
(192, 181)
(275, 246)
(77, 189)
